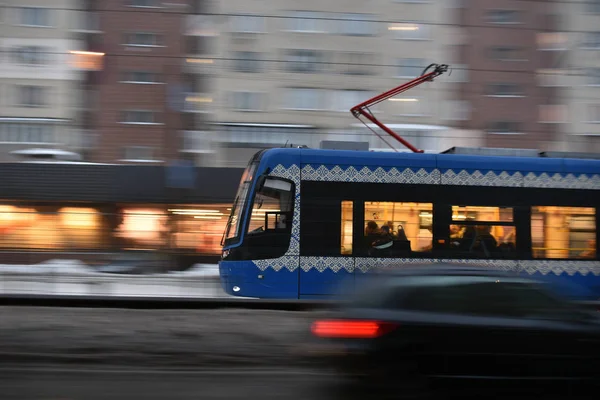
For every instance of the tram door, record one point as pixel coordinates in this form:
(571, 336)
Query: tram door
(326, 262)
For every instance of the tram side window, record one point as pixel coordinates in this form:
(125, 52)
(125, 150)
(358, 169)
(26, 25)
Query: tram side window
(563, 232)
(346, 229)
(482, 232)
(398, 229)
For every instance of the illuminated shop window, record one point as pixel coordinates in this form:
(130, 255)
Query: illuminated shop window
(199, 228)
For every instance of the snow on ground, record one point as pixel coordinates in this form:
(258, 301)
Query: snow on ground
(153, 338)
(74, 267)
(72, 277)
(203, 270)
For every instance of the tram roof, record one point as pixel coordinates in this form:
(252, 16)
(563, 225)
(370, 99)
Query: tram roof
(454, 158)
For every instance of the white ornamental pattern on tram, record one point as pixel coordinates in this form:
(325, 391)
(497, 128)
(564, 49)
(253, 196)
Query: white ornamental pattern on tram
(450, 177)
(322, 264)
(290, 260)
(277, 264)
(364, 174)
(570, 268)
(477, 178)
(558, 181)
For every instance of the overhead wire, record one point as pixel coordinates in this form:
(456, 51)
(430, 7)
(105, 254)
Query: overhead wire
(167, 12)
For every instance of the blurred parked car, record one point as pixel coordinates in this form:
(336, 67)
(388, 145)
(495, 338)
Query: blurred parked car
(417, 327)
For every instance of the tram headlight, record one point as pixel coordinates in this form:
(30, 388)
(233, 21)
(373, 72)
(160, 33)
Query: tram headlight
(224, 254)
(236, 289)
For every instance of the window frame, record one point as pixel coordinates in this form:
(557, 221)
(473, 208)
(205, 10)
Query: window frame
(521, 200)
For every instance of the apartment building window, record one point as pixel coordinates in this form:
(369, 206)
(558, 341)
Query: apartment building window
(139, 153)
(140, 117)
(552, 77)
(458, 110)
(344, 100)
(356, 63)
(409, 106)
(246, 61)
(26, 133)
(504, 16)
(460, 73)
(34, 16)
(411, 67)
(144, 3)
(553, 113)
(594, 113)
(593, 6)
(248, 101)
(593, 76)
(504, 90)
(248, 24)
(592, 40)
(310, 61)
(143, 39)
(303, 99)
(354, 24)
(507, 53)
(141, 77)
(31, 96)
(503, 128)
(196, 141)
(306, 21)
(551, 41)
(201, 45)
(411, 31)
(31, 55)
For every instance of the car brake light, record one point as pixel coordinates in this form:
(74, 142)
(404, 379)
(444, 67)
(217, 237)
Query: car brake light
(351, 329)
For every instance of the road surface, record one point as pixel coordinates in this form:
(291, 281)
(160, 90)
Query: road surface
(49, 384)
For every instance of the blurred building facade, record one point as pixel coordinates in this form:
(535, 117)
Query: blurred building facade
(148, 81)
(508, 49)
(37, 107)
(578, 39)
(286, 72)
(139, 95)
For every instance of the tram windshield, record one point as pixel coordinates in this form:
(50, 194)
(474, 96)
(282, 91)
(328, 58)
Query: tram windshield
(232, 228)
(272, 207)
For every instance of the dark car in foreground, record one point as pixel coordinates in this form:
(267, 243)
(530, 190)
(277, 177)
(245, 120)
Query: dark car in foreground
(418, 327)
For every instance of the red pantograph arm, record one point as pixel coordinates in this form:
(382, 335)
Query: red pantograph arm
(363, 108)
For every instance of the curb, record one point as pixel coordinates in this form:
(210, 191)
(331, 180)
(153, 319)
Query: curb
(159, 303)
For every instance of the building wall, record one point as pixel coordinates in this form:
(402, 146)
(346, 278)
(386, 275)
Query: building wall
(123, 136)
(581, 89)
(510, 118)
(36, 106)
(272, 114)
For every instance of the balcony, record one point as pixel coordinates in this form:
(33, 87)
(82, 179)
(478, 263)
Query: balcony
(85, 22)
(198, 142)
(198, 103)
(552, 41)
(196, 64)
(200, 25)
(553, 77)
(86, 60)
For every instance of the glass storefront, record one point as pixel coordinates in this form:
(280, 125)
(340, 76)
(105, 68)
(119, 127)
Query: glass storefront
(56, 228)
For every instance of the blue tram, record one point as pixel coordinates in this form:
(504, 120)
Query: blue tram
(306, 219)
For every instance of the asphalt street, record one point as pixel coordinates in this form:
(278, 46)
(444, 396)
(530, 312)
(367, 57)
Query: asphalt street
(73, 384)
(60, 383)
